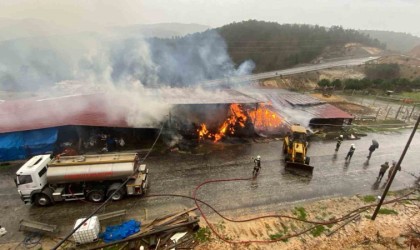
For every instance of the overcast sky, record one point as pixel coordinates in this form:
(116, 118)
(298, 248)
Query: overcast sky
(392, 15)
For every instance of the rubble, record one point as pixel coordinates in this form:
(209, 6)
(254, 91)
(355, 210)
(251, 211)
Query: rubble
(167, 232)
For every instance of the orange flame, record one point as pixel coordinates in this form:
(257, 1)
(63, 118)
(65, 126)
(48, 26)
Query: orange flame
(262, 118)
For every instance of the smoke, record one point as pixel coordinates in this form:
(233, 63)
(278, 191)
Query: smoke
(146, 74)
(108, 58)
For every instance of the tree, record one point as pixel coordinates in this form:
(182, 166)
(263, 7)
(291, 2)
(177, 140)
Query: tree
(336, 83)
(324, 83)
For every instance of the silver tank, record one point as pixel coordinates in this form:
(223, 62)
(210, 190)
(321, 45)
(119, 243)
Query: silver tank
(90, 172)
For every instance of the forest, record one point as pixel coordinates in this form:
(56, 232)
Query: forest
(275, 46)
(270, 45)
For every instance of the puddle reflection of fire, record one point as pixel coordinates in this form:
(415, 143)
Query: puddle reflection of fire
(263, 118)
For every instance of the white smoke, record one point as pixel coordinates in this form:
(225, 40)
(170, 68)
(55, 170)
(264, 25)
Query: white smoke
(142, 73)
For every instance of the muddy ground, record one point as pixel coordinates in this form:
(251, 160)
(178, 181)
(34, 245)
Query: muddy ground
(397, 230)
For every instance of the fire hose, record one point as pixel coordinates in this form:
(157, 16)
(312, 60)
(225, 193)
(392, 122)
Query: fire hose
(351, 214)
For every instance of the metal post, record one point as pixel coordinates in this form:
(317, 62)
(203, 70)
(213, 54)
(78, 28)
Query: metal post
(394, 172)
(414, 106)
(386, 116)
(398, 112)
(377, 113)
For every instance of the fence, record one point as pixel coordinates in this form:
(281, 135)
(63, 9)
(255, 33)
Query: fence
(385, 107)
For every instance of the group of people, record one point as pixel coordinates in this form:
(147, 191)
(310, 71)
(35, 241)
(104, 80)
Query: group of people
(349, 155)
(384, 168)
(372, 148)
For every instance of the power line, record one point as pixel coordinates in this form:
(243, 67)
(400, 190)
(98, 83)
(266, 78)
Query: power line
(394, 171)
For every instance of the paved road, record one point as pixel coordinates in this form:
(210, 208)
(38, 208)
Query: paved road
(179, 173)
(286, 72)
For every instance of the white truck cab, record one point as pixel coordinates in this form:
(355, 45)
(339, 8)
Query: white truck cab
(32, 176)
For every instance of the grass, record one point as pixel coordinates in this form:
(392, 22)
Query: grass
(300, 212)
(278, 236)
(318, 230)
(368, 198)
(412, 95)
(387, 211)
(221, 225)
(203, 234)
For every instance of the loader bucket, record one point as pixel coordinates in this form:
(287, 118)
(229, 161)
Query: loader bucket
(299, 166)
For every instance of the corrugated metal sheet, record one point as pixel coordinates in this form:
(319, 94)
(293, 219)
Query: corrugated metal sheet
(291, 104)
(89, 110)
(103, 110)
(327, 111)
(301, 100)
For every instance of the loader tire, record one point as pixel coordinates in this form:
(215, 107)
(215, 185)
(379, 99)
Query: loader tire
(307, 160)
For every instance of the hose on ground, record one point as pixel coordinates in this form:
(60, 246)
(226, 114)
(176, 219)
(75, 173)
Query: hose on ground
(351, 214)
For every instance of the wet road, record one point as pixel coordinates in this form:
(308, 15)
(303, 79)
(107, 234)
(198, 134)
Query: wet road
(179, 173)
(291, 71)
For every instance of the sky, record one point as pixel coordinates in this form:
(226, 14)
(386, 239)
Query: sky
(390, 15)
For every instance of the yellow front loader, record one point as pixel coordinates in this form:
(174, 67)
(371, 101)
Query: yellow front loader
(295, 147)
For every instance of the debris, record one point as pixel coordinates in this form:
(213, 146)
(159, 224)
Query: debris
(37, 227)
(88, 232)
(111, 215)
(178, 236)
(357, 217)
(167, 232)
(121, 231)
(2, 231)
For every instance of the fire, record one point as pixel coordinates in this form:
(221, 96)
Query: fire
(265, 118)
(262, 118)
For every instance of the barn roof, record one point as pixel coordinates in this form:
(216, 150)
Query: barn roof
(104, 109)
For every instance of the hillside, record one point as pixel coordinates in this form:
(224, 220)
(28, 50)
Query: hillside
(415, 52)
(274, 46)
(397, 41)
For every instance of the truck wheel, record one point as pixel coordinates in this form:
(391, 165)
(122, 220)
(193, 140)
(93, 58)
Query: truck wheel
(42, 200)
(96, 196)
(117, 196)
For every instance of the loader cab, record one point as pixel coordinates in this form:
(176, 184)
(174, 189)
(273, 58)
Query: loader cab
(32, 175)
(298, 133)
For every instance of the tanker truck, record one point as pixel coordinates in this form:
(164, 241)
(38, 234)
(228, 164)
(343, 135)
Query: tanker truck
(43, 180)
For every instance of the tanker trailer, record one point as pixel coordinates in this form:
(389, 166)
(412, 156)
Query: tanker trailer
(44, 181)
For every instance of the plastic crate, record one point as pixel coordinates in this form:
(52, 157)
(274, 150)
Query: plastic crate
(88, 232)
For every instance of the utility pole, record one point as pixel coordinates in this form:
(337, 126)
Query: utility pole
(394, 172)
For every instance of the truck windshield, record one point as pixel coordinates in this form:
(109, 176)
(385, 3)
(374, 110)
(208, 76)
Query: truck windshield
(24, 179)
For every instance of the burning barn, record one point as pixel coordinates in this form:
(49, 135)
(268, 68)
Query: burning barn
(34, 126)
(303, 109)
(89, 121)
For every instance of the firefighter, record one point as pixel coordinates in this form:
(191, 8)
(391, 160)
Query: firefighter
(339, 141)
(257, 166)
(351, 152)
(394, 165)
(384, 168)
(372, 148)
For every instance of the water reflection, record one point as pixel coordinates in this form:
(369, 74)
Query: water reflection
(297, 175)
(375, 185)
(366, 164)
